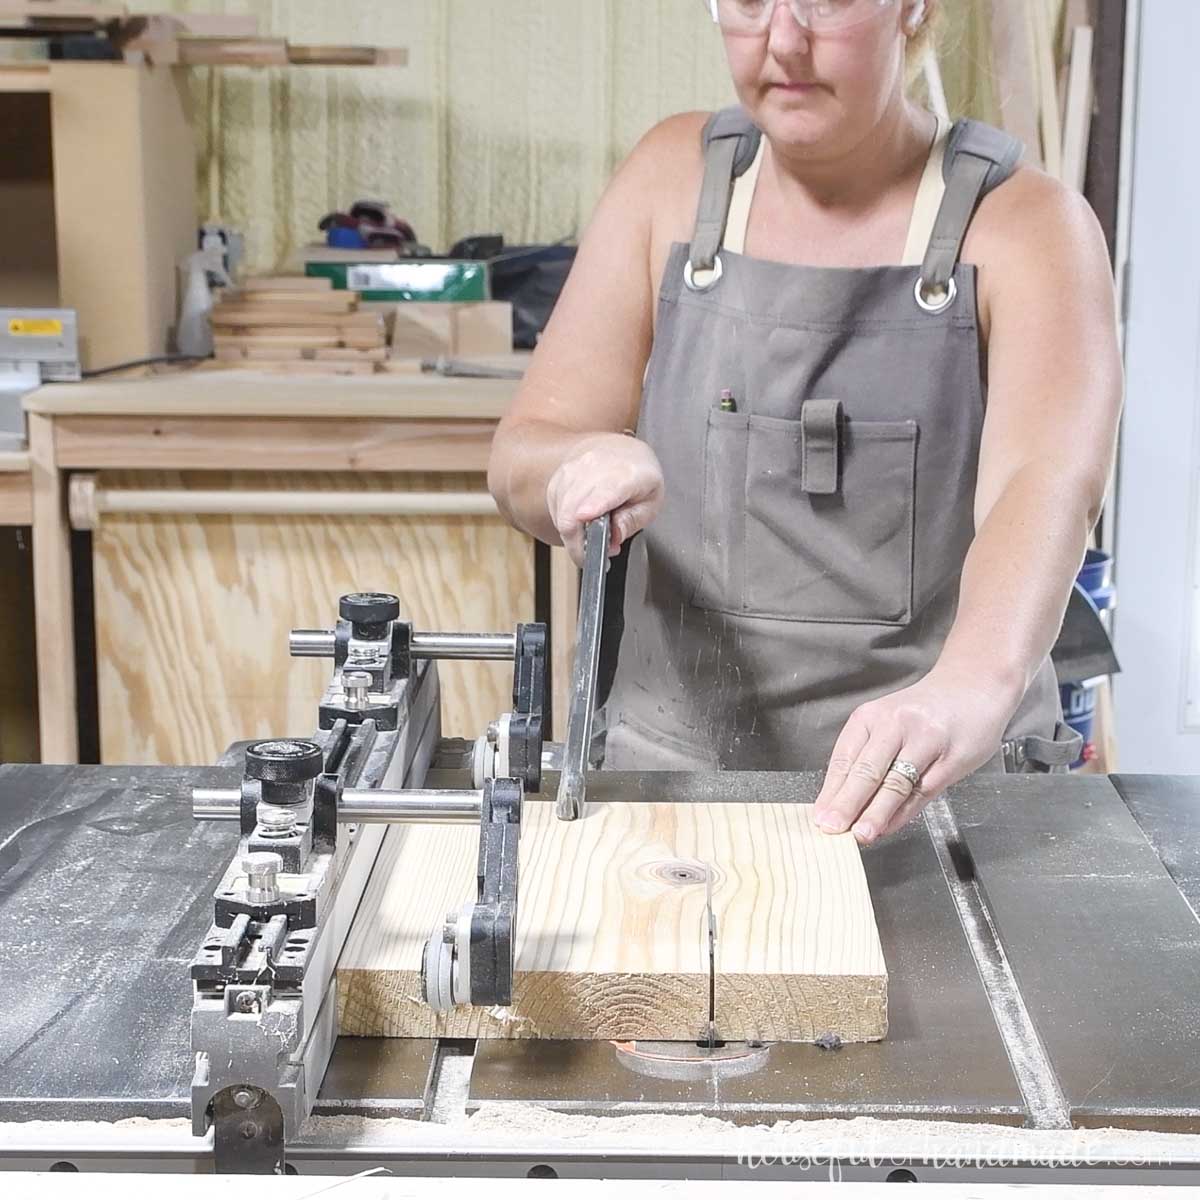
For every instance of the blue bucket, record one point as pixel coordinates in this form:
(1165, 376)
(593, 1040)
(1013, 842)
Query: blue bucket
(1079, 699)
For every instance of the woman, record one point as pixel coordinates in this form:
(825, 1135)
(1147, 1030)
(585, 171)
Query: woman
(880, 398)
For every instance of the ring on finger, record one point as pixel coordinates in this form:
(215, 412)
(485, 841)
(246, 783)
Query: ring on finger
(906, 770)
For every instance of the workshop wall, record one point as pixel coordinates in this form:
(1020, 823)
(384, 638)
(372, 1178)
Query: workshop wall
(510, 116)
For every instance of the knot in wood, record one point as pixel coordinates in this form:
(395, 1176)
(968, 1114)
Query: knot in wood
(680, 872)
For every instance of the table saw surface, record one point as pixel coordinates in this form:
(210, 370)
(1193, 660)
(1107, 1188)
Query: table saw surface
(1040, 934)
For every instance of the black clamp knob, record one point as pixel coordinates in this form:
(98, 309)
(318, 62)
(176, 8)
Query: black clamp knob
(369, 608)
(284, 760)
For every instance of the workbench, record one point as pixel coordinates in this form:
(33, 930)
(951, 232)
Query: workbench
(1039, 931)
(214, 495)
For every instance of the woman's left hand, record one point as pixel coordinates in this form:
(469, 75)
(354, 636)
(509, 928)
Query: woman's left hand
(946, 725)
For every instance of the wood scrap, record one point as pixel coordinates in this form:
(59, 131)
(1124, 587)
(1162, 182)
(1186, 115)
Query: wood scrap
(426, 329)
(347, 56)
(278, 313)
(59, 16)
(312, 301)
(191, 39)
(233, 52)
(1050, 122)
(342, 354)
(1077, 116)
(611, 939)
(287, 283)
(274, 321)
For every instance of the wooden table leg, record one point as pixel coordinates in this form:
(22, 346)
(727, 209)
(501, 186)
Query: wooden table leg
(564, 611)
(52, 594)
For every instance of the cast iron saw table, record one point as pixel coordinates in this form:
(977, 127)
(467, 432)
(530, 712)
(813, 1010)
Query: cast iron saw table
(1040, 934)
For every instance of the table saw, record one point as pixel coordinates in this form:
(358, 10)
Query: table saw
(169, 938)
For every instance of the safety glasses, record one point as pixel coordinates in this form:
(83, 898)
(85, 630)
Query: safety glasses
(817, 16)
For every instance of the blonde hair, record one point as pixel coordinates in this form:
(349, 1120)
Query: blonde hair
(925, 38)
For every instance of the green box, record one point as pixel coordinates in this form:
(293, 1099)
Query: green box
(448, 279)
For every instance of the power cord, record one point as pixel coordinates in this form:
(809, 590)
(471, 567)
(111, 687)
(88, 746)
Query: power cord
(143, 362)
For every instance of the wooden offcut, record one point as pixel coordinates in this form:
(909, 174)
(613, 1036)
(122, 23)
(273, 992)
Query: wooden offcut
(280, 325)
(612, 931)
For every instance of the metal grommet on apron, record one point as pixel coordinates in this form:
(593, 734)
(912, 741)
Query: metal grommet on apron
(935, 303)
(819, 436)
(702, 285)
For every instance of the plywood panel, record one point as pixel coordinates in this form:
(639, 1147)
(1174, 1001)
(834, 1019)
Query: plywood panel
(193, 612)
(612, 928)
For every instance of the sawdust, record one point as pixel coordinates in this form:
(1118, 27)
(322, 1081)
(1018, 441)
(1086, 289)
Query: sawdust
(528, 1129)
(515, 1128)
(174, 1131)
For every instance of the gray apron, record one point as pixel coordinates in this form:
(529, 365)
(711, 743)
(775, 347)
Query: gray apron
(808, 556)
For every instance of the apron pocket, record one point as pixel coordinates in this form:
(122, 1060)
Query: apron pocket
(823, 538)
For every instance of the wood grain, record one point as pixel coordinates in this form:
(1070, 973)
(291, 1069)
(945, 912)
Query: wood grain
(193, 612)
(16, 498)
(251, 393)
(54, 615)
(189, 443)
(611, 930)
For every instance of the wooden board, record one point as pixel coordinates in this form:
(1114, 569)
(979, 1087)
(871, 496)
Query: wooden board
(287, 283)
(228, 52)
(224, 443)
(347, 56)
(271, 314)
(193, 612)
(300, 302)
(426, 329)
(251, 393)
(612, 930)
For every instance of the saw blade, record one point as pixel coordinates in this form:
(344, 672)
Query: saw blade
(711, 920)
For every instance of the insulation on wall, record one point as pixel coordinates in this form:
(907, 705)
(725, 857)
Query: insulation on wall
(511, 115)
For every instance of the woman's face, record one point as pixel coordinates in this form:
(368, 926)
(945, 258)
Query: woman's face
(824, 91)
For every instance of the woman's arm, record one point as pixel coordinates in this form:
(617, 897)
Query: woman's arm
(560, 456)
(1047, 308)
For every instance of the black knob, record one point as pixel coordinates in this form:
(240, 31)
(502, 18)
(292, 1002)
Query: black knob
(284, 761)
(369, 608)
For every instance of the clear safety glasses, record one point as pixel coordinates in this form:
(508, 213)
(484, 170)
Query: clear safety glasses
(817, 16)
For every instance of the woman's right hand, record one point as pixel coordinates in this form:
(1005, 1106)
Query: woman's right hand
(604, 473)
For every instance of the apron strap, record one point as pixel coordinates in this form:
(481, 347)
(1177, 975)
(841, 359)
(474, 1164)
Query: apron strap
(1032, 753)
(978, 158)
(730, 142)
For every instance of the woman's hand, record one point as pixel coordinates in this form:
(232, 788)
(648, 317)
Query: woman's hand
(605, 473)
(946, 725)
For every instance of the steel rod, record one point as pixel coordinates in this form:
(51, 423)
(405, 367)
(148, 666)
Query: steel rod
(464, 645)
(311, 643)
(361, 806)
(319, 643)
